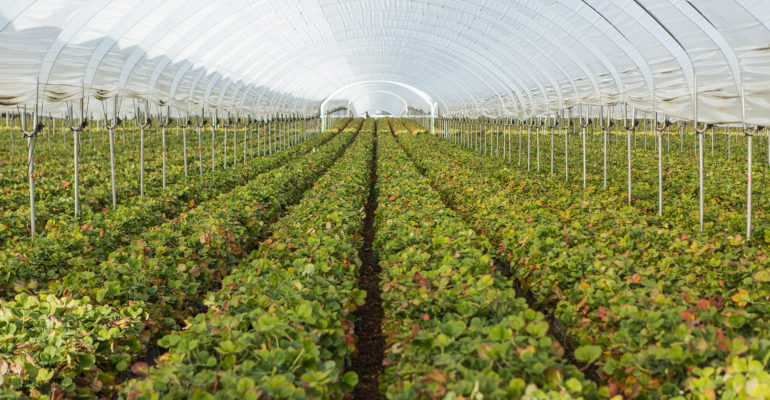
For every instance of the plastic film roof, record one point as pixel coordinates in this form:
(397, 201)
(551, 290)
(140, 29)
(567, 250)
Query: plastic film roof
(499, 58)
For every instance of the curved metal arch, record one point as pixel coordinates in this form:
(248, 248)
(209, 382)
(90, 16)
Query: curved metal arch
(424, 96)
(236, 90)
(64, 37)
(505, 84)
(214, 79)
(110, 40)
(470, 98)
(614, 34)
(14, 10)
(717, 38)
(194, 84)
(438, 54)
(304, 55)
(460, 85)
(672, 45)
(379, 91)
(434, 54)
(353, 100)
(215, 38)
(566, 76)
(176, 48)
(504, 52)
(160, 31)
(588, 74)
(509, 83)
(331, 57)
(559, 23)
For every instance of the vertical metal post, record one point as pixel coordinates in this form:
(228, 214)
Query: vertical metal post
(540, 124)
(111, 125)
(530, 123)
(30, 133)
(252, 123)
(200, 122)
(584, 122)
(226, 123)
(659, 128)
(630, 127)
(164, 122)
(13, 142)
(521, 133)
(554, 121)
(142, 121)
(259, 140)
(567, 124)
(184, 123)
(605, 127)
(214, 122)
(50, 121)
(749, 165)
(76, 129)
(235, 123)
(699, 133)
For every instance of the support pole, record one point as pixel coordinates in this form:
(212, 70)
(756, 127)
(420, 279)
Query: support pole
(200, 122)
(76, 129)
(184, 123)
(30, 132)
(213, 138)
(630, 127)
(142, 120)
(110, 126)
(659, 128)
(164, 122)
(584, 122)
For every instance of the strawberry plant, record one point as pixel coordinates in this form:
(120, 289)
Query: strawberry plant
(657, 303)
(160, 276)
(281, 324)
(454, 326)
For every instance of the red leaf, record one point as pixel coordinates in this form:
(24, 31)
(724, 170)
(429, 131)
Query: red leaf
(687, 316)
(420, 279)
(140, 368)
(703, 304)
(426, 317)
(393, 198)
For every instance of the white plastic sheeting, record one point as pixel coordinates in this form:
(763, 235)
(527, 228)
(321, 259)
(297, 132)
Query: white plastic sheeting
(504, 58)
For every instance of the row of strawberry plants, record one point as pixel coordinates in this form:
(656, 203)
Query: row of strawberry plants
(151, 285)
(658, 312)
(397, 126)
(54, 180)
(454, 325)
(725, 205)
(281, 325)
(83, 242)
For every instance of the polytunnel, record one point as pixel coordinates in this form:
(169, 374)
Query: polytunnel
(402, 199)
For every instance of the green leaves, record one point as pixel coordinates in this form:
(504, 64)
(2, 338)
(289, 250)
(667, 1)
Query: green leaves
(455, 326)
(588, 353)
(537, 329)
(499, 333)
(280, 325)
